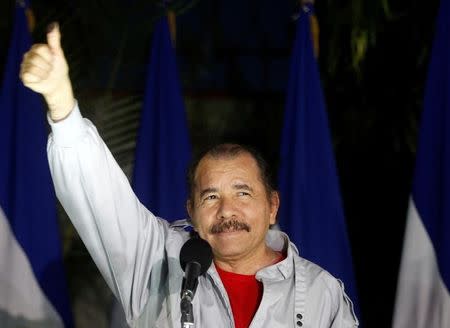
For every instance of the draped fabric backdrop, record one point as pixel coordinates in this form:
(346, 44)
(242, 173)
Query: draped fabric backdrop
(423, 298)
(311, 211)
(33, 291)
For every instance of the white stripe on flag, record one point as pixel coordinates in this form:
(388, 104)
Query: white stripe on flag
(22, 301)
(423, 301)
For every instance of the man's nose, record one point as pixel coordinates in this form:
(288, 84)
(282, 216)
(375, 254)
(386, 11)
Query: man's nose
(227, 208)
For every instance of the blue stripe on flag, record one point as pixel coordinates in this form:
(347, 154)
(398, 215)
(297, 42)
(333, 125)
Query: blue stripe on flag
(26, 191)
(431, 187)
(311, 210)
(163, 149)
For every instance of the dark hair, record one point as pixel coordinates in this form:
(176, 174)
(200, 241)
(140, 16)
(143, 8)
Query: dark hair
(229, 150)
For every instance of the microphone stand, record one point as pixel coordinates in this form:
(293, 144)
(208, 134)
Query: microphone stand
(190, 282)
(187, 314)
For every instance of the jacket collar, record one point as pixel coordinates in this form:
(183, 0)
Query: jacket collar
(279, 241)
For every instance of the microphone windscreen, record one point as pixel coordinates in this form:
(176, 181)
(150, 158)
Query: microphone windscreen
(196, 250)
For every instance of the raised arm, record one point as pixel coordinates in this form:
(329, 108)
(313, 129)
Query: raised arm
(125, 240)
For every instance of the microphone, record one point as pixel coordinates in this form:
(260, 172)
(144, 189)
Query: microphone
(195, 259)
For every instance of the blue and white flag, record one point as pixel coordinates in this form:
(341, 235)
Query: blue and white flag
(163, 149)
(33, 291)
(311, 210)
(423, 298)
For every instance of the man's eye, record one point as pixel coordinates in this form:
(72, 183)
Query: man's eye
(243, 193)
(210, 197)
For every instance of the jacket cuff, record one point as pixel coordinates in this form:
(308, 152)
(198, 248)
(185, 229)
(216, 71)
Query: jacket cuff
(66, 131)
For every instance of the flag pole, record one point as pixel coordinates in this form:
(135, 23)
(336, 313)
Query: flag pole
(172, 20)
(315, 28)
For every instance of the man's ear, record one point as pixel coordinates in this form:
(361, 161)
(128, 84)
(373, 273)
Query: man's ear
(274, 206)
(189, 208)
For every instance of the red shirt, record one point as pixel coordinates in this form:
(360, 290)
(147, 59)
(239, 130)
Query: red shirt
(245, 294)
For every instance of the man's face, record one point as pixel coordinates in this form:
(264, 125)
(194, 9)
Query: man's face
(231, 208)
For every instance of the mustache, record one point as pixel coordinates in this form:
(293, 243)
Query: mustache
(229, 225)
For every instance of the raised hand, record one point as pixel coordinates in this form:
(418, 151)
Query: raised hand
(44, 70)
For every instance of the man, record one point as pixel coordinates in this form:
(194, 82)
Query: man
(257, 278)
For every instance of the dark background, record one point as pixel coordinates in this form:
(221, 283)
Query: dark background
(234, 62)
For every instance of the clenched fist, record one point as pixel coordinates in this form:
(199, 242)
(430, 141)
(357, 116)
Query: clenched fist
(44, 70)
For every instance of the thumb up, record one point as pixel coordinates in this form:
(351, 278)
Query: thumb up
(44, 70)
(54, 39)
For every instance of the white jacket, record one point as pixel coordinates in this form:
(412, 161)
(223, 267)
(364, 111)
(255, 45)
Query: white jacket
(137, 253)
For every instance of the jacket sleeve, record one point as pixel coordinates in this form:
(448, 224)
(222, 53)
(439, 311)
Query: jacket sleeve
(345, 316)
(124, 239)
(327, 304)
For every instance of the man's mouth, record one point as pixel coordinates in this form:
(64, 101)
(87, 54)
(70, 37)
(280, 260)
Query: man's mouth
(229, 226)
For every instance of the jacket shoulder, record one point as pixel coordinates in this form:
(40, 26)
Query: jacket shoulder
(325, 291)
